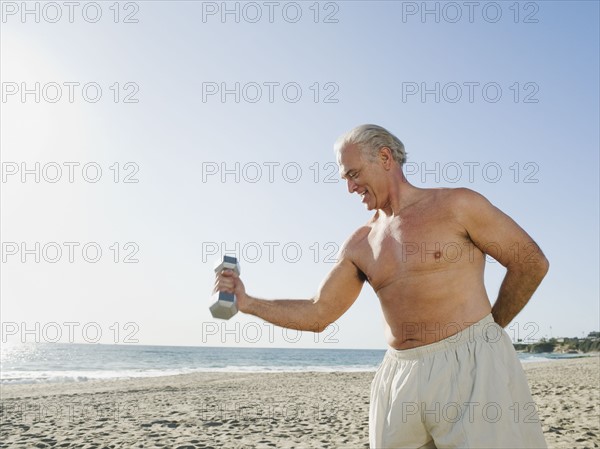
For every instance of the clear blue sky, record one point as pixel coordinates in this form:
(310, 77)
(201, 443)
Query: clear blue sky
(518, 92)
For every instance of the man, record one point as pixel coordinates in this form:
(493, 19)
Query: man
(451, 377)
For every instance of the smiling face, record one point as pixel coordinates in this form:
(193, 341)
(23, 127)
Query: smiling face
(365, 177)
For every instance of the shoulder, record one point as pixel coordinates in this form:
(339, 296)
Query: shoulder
(353, 243)
(460, 197)
(460, 194)
(482, 221)
(463, 206)
(463, 200)
(359, 236)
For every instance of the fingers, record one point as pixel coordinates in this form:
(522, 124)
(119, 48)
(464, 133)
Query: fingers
(225, 281)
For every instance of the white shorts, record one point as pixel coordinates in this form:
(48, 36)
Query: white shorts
(466, 391)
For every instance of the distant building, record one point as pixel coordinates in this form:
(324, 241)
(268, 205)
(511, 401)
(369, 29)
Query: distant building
(594, 335)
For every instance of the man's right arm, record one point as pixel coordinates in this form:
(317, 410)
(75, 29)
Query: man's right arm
(337, 293)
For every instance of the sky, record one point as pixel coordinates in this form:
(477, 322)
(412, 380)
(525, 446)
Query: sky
(140, 141)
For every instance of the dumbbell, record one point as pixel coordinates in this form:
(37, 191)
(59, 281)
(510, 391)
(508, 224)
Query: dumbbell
(225, 305)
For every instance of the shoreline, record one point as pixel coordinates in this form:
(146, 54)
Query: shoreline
(257, 410)
(230, 370)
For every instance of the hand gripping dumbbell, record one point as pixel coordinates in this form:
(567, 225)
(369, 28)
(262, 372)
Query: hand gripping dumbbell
(225, 305)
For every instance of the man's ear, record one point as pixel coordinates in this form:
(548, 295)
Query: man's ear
(385, 156)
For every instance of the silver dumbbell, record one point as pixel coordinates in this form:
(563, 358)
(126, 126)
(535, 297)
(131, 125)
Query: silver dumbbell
(225, 305)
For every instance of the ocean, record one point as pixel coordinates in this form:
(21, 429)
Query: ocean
(61, 362)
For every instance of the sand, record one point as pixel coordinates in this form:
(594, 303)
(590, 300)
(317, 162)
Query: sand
(243, 411)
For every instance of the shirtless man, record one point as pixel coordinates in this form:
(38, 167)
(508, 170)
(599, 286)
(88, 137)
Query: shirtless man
(451, 377)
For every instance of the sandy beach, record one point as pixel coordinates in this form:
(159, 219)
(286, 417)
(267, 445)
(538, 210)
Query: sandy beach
(283, 410)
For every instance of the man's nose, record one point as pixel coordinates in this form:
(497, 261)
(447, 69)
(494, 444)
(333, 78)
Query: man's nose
(351, 186)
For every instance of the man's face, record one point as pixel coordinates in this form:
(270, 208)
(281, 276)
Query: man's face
(363, 176)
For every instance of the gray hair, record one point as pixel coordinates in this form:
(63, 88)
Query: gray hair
(370, 139)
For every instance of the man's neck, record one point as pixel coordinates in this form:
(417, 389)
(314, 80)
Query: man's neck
(402, 195)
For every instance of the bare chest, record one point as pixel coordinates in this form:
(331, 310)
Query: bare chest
(415, 244)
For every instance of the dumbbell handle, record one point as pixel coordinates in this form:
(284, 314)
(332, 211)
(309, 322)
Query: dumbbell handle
(225, 305)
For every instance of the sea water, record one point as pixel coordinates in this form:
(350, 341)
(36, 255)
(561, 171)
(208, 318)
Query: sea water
(58, 362)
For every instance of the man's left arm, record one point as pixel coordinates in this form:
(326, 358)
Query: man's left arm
(499, 236)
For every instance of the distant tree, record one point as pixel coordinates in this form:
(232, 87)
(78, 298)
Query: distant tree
(542, 346)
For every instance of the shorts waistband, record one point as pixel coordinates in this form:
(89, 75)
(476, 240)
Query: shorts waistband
(486, 329)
